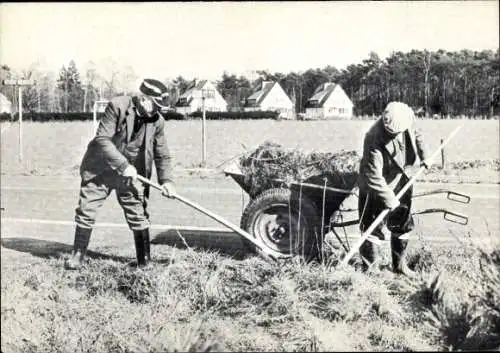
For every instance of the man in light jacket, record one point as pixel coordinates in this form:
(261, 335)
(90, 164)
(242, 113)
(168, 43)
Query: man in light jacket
(130, 136)
(391, 147)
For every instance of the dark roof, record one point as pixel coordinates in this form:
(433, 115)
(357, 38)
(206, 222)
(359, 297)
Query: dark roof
(183, 102)
(186, 98)
(194, 85)
(257, 97)
(321, 95)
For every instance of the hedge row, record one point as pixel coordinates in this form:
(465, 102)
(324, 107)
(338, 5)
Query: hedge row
(48, 116)
(170, 115)
(235, 115)
(42, 117)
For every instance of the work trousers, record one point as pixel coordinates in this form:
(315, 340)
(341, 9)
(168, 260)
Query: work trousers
(399, 221)
(132, 199)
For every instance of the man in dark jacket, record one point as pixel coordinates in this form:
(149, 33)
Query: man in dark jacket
(130, 136)
(390, 149)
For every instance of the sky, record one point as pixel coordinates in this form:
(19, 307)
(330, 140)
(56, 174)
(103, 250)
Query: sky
(204, 39)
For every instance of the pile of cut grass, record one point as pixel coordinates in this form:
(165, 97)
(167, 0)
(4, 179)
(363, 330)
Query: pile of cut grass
(190, 300)
(270, 162)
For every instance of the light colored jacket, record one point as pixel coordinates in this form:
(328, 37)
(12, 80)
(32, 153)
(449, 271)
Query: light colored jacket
(382, 166)
(114, 132)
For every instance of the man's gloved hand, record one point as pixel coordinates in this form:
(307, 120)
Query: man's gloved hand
(394, 203)
(130, 172)
(129, 176)
(168, 189)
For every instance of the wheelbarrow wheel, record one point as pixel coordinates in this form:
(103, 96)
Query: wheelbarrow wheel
(283, 222)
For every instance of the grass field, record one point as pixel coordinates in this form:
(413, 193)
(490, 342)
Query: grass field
(190, 300)
(58, 147)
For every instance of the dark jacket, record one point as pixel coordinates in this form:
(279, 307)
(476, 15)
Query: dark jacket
(114, 132)
(382, 166)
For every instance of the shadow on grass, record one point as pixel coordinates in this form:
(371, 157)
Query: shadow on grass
(225, 242)
(49, 249)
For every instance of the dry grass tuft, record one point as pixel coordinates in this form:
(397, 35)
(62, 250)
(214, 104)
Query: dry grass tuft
(460, 303)
(136, 284)
(190, 300)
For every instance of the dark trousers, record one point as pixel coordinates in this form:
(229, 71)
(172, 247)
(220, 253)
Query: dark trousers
(133, 200)
(400, 221)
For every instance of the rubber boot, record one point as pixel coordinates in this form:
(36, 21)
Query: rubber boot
(399, 261)
(80, 245)
(369, 256)
(142, 246)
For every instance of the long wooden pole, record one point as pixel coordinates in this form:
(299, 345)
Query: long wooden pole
(203, 136)
(384, 213)
(20, 123)
(266, 253)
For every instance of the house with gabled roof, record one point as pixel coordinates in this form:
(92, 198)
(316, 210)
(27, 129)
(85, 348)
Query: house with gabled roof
(270, 97)
(329, 101)
(192, 99)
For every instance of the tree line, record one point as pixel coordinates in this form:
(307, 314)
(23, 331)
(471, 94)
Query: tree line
(439, 82)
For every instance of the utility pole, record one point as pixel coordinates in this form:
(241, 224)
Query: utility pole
(205, 93)
(20, 84)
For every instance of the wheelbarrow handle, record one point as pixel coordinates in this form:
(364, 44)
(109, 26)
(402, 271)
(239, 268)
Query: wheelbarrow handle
(456, 217)
(265, 253)
(328, 188)
(450, 216)
(459, 197)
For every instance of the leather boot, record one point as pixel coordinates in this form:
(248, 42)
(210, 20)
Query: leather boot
(142, 246)
(399, 261)
(369, 256)
(80, 245)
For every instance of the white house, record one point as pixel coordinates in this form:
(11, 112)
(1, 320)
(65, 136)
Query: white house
(192, 100)
(329, 101)
(5, 104)
(270, 97)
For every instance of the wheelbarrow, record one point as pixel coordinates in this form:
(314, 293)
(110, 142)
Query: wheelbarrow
(293, 218)
(288, 217)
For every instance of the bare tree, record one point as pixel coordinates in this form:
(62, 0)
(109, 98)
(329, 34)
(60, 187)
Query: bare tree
(109, 74)
(91, 81)
(427, 69)
(128, 80)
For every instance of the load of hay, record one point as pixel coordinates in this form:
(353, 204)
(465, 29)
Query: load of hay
(270, 162)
